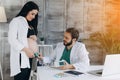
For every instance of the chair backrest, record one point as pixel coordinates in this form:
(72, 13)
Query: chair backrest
(46, 50)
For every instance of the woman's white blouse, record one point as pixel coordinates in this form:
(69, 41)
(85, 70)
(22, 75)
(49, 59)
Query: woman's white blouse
(17, 38)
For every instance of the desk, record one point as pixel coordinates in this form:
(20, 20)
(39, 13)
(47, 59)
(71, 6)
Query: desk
(46, 73)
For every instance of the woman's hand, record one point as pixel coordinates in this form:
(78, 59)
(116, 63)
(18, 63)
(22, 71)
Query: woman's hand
(28, 52)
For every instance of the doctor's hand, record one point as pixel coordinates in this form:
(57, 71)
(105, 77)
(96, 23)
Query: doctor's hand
(67, 66)
(40, 57)
(28, 52)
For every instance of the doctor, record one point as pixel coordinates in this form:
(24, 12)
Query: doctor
(72, 51)
(20, 53)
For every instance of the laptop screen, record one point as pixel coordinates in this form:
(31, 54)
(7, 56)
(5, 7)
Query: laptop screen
(111, 65)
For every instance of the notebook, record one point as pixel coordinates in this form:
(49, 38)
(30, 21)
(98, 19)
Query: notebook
(111, 66)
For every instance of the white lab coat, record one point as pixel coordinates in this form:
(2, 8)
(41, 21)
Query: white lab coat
(78, 56)
(17, 38)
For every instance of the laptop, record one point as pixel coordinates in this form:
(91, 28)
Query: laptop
(111, 66)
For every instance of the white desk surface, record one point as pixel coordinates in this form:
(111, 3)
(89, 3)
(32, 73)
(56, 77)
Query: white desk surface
(46, 73)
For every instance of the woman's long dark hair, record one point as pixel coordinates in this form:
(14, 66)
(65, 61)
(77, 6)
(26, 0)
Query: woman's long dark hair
(29, 6)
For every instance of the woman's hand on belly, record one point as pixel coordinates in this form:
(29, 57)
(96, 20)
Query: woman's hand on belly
(28, 52)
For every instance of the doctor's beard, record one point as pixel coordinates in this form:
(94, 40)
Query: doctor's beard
(67, 44)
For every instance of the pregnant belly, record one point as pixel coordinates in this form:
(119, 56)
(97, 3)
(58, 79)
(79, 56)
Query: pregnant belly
(32, 45)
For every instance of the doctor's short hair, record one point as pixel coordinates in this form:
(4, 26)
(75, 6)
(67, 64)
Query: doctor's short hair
(74, 32)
